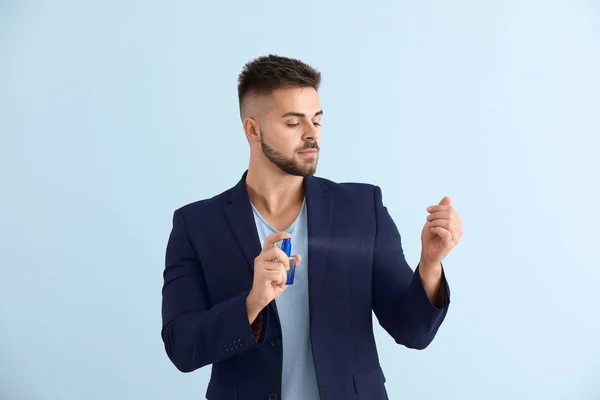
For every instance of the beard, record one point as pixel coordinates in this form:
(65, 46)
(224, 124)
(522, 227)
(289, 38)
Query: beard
(290, 165)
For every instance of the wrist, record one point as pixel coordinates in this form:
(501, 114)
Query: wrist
(252, 307)
(430, 270)
(431, 275)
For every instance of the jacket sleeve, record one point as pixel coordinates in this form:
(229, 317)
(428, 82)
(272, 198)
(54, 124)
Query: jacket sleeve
(400, 302)
(196, 333)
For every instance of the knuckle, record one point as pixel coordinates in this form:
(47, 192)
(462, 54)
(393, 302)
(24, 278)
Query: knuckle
(268, 252)
(282, 256)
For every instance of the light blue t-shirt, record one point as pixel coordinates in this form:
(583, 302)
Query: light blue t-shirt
(299, 380)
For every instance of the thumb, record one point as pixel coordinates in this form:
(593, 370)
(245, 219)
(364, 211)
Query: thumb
(446, 201)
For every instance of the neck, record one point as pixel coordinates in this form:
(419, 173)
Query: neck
(272, 190)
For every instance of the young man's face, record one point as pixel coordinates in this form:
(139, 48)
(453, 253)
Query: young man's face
(290, 132)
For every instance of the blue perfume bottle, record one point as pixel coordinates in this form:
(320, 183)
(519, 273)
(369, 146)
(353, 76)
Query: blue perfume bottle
(286, 247)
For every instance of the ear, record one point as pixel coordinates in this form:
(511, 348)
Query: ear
(251, 129)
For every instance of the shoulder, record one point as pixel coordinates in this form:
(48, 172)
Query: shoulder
(361, 190)
(204, 207)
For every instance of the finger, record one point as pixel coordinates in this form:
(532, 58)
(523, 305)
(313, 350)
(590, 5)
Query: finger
(444, 234)
(440, 215)
(443, 223)
(274, 238)
(273, 276)
(438, 207)
(283, 276)
(279, 288)
(446, 201)
(276, 273)
(274, 253)
(277, 277)
(449, 226)
(272, 266)
(450, 215)
(298, 259)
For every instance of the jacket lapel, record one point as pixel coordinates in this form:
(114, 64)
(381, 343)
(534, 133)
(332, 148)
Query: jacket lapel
(241, 219)
(319, 209)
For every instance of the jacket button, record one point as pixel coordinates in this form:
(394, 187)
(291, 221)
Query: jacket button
(273, 396)
(276, 342)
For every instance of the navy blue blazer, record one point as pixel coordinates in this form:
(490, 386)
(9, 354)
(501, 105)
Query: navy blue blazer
(356, 266)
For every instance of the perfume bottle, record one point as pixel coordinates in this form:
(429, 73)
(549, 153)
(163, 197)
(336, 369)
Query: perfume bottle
(286, 247)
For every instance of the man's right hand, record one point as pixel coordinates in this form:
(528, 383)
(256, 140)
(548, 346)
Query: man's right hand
(270, 275)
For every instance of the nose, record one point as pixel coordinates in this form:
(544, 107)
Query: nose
(311, 132)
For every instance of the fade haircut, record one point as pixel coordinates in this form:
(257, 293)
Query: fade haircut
(264, 74)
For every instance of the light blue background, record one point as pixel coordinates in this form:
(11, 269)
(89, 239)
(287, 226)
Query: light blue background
(114, 113)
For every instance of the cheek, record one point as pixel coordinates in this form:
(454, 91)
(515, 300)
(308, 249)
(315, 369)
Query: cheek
(283, 141)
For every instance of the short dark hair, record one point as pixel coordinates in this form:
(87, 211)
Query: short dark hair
(267, 73)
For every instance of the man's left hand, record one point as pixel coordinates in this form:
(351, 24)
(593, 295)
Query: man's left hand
(441, 233)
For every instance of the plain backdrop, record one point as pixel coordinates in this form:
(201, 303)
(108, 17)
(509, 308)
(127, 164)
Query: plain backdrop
(115, 113)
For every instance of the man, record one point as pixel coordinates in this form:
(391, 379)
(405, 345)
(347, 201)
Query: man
(225, 298)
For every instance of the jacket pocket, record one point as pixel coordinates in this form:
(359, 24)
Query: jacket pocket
(369, 380)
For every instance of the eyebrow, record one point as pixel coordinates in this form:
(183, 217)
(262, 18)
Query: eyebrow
(301, 115)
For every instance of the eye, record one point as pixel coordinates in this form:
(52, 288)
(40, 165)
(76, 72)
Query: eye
(316, 123)
(292, 125)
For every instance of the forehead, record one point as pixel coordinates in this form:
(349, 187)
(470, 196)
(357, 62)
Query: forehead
(303, 100)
